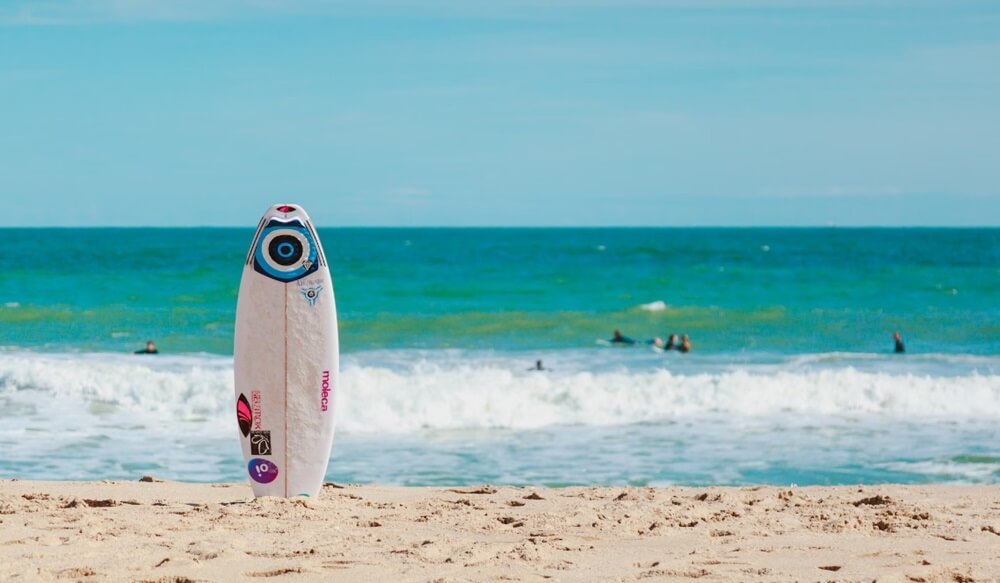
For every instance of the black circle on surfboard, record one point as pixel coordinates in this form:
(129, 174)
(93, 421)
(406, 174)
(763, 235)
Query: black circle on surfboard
(285, 250)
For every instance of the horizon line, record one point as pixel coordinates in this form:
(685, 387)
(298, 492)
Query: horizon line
(538, 227)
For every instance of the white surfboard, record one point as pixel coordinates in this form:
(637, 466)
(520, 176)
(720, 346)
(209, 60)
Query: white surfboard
(286, 356)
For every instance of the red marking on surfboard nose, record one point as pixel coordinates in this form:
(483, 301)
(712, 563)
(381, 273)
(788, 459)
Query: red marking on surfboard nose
(285, 208)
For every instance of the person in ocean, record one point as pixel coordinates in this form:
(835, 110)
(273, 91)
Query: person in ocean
(671, 343)
(149, 349)
(685, 344)
(617, 338)
(898, 339)
(538, 366)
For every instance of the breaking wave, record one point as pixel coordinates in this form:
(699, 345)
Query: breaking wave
(495, 392)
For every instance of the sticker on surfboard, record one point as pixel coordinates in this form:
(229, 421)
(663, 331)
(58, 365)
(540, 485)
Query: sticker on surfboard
(262, 471)
(244, 415)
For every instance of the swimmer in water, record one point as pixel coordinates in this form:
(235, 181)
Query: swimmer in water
(619, 339)
(538, 366)
(685, 344)
(671, 343)
(898, 339)
(149, 349)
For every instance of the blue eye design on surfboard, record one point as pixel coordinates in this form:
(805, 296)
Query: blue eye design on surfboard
(285, 251)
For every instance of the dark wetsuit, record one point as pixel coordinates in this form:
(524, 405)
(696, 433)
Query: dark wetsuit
(900, 349)
(144, 351)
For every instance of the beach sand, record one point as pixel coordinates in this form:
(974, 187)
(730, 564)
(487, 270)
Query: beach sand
(177, 532)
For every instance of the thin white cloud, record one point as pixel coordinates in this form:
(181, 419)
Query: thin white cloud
(837, 190)
(408, 196)
(858, 190)
(85, 12)
(409, 192)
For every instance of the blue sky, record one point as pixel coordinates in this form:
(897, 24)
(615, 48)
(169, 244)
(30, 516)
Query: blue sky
(467, 112)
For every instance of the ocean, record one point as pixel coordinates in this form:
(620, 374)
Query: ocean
(792, 377)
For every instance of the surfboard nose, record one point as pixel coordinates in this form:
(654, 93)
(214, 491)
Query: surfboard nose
(286, 212)
(285, 209)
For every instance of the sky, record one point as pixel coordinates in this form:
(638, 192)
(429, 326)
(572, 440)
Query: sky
(486, 113)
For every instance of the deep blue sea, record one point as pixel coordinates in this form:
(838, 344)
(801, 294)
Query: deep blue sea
(792, 377)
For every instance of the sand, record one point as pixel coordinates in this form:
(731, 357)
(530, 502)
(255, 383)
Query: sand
(173, 532)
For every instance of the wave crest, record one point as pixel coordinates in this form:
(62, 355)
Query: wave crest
(491, 394)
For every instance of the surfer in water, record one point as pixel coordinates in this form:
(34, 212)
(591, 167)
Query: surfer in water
(149, 349)
(898, 339)
(538, 366)
(617, 338)
(671, 343)
(685, 344)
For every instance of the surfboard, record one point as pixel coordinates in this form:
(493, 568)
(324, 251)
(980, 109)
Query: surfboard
(285, 356)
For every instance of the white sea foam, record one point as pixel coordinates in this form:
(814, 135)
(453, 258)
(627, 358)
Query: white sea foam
(185, 386)
(657, 306)
(487, 397)
(598, 416)
(487, 392)
(950, 471)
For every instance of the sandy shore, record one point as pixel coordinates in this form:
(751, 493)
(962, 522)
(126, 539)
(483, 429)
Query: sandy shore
(171, 532)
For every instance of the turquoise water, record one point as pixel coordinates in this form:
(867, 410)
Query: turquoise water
(791, 331)
(733, 290)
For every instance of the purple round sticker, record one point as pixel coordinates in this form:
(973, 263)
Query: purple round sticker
(262, 471)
